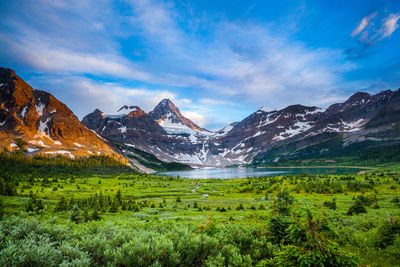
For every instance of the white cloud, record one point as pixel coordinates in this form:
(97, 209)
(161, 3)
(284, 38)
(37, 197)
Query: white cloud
(199, 119)
(237, 62)
(83, 95)
(46, 58)
(390, 25)
(372, 32)
(214, 102)
(363, 24)
(157, 20)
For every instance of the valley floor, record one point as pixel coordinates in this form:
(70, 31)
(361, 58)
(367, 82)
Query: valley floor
(148, 220)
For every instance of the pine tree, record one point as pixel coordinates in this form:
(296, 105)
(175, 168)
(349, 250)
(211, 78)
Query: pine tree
(62, 204)
(114, 206)
(119, 197)
(95, 215)
(75, 214)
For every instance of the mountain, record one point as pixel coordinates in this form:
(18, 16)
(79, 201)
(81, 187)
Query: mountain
(139, 130)
(264, 137)
(364, 128)
(36, 122)
(168, 116)
(355, 129)
(149, 163)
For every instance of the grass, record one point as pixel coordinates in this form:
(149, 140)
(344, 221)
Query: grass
(257, 195)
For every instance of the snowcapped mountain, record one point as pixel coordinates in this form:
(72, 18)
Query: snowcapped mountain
(168, 116)
(36, 122)
(48, 127)
(171, 137)
(364, 122)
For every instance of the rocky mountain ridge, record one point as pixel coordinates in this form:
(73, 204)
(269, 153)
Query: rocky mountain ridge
(175, 138)
(35, 121)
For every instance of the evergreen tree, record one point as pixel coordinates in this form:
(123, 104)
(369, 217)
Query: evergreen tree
(119, 197)
(1, 208)
(75, 214)
(62, 204)
(114, 206)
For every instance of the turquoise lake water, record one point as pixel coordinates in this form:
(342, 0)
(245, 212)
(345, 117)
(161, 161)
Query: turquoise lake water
(230, 173)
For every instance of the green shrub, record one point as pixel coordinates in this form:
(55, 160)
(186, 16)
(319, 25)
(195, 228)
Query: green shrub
(356, 208)
(387, 232)
(330, 204)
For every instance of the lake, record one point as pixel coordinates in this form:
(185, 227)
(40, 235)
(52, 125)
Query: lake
(230, 173)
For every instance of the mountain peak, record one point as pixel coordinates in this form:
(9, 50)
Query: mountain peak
(47, 125)
(99, 112)
(169, 116)
(5, 72)
(164, 107)
(264, 109)
(357, 97)
(166, 101)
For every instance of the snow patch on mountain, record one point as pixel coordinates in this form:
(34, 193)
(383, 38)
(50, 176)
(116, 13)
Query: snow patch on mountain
(172, 127)
(264, 109)
(43, 127)
(352, 126)
(37, 142)
(39, 108)
(315, 111)
(270, 118)
(63, 152)
(225, 130)
(297, 128)
(99, 136)
(24, 111)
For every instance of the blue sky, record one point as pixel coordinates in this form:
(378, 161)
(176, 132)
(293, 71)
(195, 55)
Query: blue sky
(218, 61)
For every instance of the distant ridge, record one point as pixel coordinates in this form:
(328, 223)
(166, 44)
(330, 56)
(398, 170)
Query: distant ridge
(264, 136)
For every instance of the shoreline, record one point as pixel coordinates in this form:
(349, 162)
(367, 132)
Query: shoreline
(319, 166)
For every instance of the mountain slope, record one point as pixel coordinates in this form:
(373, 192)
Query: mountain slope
(148, 162)
(263, 137)
(345, 132)
(35, 121)
(168, 116)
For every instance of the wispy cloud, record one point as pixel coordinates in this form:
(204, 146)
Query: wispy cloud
(165, 54)
(45, 57)
(374, 28)
(210, 101)
(84, 95)
(363, 24)
(390, 25)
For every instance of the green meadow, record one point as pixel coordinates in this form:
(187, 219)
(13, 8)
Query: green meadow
(124, 218)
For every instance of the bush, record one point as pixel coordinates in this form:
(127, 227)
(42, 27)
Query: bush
(356, 208)
(75, 215)
(387, 232)
(34, 205)
(308, 245)
(330, 204)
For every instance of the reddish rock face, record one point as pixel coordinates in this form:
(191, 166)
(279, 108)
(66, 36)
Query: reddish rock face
(48, 125)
